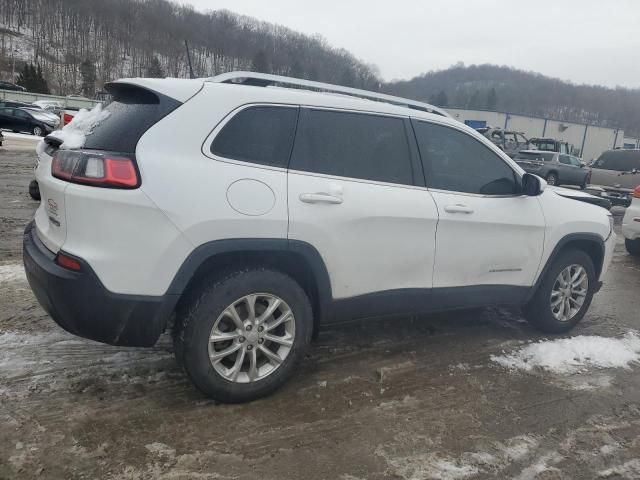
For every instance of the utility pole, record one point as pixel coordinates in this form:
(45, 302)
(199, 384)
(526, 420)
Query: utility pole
(186, 45)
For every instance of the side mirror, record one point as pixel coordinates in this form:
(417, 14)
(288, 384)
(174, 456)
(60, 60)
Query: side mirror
(532, 185)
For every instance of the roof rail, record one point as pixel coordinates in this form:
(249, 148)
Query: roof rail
(265, 79)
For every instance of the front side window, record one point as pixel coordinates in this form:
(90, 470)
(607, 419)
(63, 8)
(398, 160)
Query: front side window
(565, 159)
(260, 134)
(355, 145)
(458, 162)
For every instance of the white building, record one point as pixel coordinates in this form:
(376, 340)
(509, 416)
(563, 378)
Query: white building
(590, 140)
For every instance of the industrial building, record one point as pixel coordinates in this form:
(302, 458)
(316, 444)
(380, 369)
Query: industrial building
(588, 140)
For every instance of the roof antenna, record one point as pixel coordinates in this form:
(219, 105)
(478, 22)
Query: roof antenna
(186, 45)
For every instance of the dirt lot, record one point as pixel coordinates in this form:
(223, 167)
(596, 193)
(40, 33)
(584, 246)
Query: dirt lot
(402, 398)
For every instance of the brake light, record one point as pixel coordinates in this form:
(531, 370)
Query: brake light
(67, 262)
(636, 192)
(96, 169)
(66, 118)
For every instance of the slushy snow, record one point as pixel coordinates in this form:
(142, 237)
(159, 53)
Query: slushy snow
(74, 134)
(12, 272)
(574, 355)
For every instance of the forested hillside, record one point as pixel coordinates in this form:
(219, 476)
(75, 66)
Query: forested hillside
(80, 44)
(502, 88)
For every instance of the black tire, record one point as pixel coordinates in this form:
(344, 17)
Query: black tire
(633, 246)
(196, 318)
(34, 190)
(538, 310)
(37, 131)
(552, 178)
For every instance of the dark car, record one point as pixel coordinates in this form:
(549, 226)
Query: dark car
(617, 173)
(550, 145)
(11, 86)
(556, 168)
(31, 121)
(14, 104)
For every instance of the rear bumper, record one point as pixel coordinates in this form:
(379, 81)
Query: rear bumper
(79, 303)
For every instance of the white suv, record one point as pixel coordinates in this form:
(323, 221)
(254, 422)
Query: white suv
(251, 213)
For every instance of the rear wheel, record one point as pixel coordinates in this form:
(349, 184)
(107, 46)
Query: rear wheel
(242, 335)
(34, 190)
(564, 295)
(552, 179)
(633, 246)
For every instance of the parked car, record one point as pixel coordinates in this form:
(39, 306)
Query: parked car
(25, 120)
(631, 224)
(555, 168)
(43, 114)
(11, 86)
(316, 210)
(616, 172)
(551, 145)
(508, 141)
(67, 114)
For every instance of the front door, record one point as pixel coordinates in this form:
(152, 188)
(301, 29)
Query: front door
(355, 195)
(488, 233)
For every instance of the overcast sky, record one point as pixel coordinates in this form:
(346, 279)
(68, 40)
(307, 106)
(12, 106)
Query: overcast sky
(584, 41)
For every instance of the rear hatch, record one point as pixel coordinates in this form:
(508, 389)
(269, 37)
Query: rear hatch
(106, 158)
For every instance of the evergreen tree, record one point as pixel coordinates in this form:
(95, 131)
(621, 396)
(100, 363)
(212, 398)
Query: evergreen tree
(492, 99)
(441, 99)
(260, 62)
(32, 79)
(88, 73)
(154, 70)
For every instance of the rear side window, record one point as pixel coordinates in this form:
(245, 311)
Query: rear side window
(547, 157)
(355, 145)
(133, 111)
(457, 162)
(619, 160)
(262, 135)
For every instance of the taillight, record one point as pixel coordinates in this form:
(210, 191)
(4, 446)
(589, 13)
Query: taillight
(636, 192)
(67, 262)
(95, 168)
(66, 118)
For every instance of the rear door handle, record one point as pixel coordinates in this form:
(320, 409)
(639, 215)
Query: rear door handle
(458, 208)
(320, 197)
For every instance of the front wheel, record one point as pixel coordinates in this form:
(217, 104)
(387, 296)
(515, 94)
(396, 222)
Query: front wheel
(552, 179)
(564, 295)
(633, 246)
(242, 335)
(37, 131)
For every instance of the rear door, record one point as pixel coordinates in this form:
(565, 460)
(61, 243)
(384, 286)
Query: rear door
(355, 194)
(568, 172)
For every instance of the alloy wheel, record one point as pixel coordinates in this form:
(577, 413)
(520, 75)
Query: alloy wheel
(569, 292)
(251, 338)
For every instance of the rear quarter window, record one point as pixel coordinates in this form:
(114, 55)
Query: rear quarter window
(132, 112)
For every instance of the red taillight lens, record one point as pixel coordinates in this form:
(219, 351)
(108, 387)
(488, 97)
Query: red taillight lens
(636, 192)
(66, 118)
(96, 169)
(68, 262)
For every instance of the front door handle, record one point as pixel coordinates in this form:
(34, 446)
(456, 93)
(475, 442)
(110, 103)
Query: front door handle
(458, 208)
(320, 197)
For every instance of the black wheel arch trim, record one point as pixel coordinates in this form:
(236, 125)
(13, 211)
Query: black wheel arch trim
(305, 251)
(564, 241)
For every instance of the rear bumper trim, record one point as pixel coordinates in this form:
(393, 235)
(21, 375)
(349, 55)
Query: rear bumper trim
(79, 303)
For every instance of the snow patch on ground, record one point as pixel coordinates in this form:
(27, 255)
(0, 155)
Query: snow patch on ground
(431, 466)
(21, 136)
(540, 466)
(74, 134)
(13, 272)
(630, 469)
(568, 356)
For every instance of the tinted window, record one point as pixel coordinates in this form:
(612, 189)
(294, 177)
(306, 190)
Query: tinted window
(565, 159)
(355, 145)
(619, 160)
(261, 135)
(547, 157)
(458, 162)
(133, 111)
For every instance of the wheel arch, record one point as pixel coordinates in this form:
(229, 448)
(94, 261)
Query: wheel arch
(298, 259)
(590, 243)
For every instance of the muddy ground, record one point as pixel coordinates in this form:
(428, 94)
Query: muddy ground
(401, 398)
